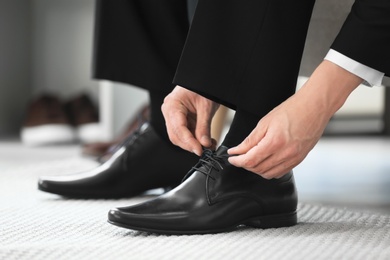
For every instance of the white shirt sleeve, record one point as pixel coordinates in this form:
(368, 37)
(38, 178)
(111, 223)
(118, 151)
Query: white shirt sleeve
(371, 76)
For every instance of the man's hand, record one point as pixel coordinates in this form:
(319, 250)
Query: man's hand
(281, 139)
(188, 118)
(284, 137)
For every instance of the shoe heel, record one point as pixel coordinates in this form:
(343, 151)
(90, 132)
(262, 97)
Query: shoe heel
(274, 221)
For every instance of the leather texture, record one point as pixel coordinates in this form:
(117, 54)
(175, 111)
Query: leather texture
(144, 162)
(214, 197)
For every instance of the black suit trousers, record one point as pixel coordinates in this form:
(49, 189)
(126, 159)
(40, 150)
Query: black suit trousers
(139, 42)
(241, 53)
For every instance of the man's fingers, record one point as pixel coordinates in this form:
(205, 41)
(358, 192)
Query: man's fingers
(251, 158)
(264, 154)
(182, 137)
(187, 141)
(270, 165)
(277, 170)
(202, 131)
(268, 168)
(188, 117)
(179, 134)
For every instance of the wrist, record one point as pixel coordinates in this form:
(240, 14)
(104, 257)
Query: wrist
(329, 87)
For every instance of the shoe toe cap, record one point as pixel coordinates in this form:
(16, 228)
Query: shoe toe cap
(43, 183)
(115, 216)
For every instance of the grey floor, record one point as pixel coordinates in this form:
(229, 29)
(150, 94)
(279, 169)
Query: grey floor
(353, 172)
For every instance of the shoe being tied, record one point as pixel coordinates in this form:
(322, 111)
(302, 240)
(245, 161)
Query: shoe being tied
(144, 162)
(214, 197)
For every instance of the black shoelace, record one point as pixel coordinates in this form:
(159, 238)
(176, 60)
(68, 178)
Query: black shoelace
(207, 162)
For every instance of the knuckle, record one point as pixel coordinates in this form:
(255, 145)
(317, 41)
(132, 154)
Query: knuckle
(258, 171)
(163, 107)
(174, 141)
(278, 142)
(204, 124)
(248, 163)
(172, 138)
(292, 151)
(187, 140)
(167, 98)
(248, 141)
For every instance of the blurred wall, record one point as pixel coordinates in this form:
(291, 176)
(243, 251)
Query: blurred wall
(15, 46)
(62, 46)
(45, 46)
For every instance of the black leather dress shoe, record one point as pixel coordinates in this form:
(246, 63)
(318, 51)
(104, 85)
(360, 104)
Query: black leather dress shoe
(214, 197)
(144, 162)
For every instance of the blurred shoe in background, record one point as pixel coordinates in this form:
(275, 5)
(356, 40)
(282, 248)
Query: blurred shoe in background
(84, 117)
(102, 151)
(50, 121)
(46, 123)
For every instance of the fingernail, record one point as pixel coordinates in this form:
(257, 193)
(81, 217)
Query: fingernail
(205, 139)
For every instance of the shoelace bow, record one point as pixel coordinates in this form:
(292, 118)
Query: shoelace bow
(207, 162)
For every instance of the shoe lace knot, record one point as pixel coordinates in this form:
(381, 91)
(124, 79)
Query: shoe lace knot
(208, 162)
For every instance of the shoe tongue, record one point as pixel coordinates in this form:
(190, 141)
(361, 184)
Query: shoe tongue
(222, 151)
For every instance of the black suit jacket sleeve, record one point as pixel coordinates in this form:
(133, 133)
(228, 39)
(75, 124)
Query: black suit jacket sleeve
(365, 35)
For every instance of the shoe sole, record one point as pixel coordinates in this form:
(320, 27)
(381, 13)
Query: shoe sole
(73, 195)
(89, 133)
(262, 222)
(47, 134)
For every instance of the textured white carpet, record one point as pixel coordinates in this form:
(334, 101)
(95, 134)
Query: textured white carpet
(35, 225)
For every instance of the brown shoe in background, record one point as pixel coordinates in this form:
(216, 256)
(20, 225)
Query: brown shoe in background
(104, 150)
(46, 123)
(84, 117)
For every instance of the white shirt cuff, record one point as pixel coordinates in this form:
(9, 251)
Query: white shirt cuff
(371, 76)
